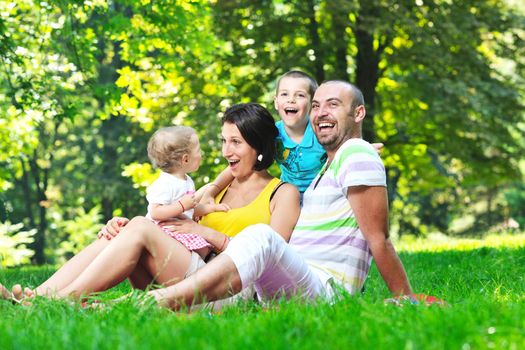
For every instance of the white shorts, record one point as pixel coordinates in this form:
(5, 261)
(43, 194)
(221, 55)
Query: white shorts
(265, 260)
(196, 263)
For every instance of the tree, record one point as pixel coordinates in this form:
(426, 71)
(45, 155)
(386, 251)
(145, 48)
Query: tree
(86, 83)
(430, 74)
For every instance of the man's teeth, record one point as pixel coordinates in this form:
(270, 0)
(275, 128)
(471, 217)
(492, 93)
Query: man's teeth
(326, 125)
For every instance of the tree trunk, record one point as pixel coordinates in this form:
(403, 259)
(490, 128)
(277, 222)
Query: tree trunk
(313, 28)
(367, 69)
(340, 22)
(41, 200)
(107, 74)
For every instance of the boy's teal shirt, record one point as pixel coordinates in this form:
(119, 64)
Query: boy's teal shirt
(299, 163)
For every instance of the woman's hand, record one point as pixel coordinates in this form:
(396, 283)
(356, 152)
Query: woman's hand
(182, 225)
(112, 228)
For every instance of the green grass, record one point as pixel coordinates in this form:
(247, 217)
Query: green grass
(482, 280)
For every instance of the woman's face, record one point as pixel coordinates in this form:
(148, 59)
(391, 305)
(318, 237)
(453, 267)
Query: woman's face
(240, 155)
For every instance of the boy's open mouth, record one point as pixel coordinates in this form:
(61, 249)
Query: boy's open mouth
(290, 110)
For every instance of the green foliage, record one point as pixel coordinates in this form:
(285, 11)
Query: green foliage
(515, 196)
(74, 234)
(13, 244)
(84, 84)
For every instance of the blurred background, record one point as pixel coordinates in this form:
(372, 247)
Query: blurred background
(83, 84)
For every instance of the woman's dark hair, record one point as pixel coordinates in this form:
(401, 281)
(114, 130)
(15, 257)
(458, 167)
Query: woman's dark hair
(257, 127)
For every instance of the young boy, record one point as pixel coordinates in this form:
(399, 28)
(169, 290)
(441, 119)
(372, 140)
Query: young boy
(300, 156)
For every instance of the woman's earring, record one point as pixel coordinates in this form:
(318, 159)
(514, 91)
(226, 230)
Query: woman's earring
(260, 157)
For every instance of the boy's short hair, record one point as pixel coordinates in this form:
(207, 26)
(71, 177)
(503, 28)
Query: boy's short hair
(312, 84)
(257, 127)
(167, 146)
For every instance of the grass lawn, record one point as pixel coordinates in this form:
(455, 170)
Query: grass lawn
(482, 280)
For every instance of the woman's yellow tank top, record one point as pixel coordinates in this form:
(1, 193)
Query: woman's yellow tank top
(235, 220)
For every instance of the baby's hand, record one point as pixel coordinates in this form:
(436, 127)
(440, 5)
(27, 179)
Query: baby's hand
(207, 198)
(188, 201)
(221, 207)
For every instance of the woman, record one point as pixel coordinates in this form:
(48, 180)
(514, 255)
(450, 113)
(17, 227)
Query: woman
(141, 252)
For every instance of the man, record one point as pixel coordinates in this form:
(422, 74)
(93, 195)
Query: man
(343, 224)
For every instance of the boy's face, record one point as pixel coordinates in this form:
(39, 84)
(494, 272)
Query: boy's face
(293, 102)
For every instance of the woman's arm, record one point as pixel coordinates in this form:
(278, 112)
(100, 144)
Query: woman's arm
(215, 238)
(285, 209)
(212, 189)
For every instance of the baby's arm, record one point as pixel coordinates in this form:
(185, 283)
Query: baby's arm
(212, 189)
(161, 212)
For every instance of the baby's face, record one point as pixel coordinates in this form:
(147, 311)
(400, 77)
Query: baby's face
(195, 155)
(292, 101)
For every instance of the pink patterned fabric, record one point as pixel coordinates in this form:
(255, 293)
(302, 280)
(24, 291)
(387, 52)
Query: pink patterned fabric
(189, 240)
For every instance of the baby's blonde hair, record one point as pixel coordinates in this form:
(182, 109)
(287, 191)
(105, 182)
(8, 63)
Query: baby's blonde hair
(167, 146)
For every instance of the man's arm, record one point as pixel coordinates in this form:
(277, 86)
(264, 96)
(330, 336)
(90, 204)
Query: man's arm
(370, 206)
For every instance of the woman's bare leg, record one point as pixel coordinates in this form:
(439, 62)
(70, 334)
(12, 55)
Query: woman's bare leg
(5, 293)
(141, 278)
(218, 279)
(166, 260)
(72, 268)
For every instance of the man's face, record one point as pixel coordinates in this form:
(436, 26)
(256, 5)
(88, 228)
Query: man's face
(331, 116)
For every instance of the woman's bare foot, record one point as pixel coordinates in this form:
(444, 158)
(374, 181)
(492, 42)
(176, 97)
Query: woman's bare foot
(17, 292)
(29, 293)
(5, 293)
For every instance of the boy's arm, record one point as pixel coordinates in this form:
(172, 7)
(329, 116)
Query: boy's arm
(370, 206)
(209, 191)
(161, 212)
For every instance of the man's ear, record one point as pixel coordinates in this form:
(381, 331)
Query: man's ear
(359, 113)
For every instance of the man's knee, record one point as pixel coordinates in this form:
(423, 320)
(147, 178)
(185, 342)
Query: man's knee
(261, 233)
(260, 238)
